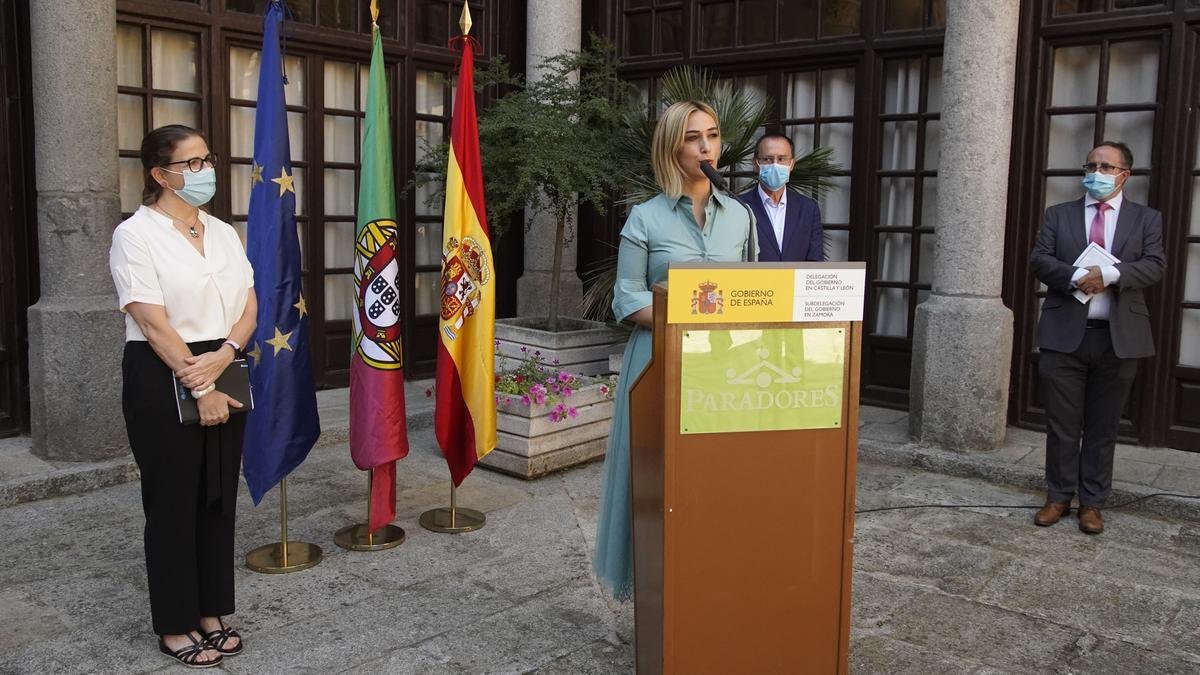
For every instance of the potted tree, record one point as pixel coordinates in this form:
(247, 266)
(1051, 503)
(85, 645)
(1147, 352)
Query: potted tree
(547, 147)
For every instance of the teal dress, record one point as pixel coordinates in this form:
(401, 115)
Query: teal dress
(660, 231)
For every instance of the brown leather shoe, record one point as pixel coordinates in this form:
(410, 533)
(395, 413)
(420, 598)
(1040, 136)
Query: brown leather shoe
(1090, 520)
(1051, 513)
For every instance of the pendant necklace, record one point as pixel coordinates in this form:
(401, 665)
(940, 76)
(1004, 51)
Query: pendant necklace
(191, 227)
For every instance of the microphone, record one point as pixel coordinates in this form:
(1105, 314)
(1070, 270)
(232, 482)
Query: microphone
(717, 179)
(719, 183)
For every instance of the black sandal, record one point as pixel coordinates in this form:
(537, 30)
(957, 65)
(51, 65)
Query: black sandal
(188, 655)
(217, 639)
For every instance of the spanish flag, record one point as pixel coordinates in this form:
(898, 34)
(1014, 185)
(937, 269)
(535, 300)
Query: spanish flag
(465, 414)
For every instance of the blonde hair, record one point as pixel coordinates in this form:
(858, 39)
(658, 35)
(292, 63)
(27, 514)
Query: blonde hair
(668, 138)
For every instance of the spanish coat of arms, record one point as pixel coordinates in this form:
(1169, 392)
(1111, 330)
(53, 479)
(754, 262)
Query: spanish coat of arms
(465, 272)
(708, 300)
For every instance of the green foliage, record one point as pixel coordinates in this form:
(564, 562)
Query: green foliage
(546, 144)
(741, 116)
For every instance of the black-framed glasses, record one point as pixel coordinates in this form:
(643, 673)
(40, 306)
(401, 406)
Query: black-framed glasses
(196, 164)
(1103, 167)
(777, 159)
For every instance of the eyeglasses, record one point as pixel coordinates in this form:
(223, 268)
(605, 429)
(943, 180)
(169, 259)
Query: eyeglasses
(778, 159)
(196, 164)
(1092, 167)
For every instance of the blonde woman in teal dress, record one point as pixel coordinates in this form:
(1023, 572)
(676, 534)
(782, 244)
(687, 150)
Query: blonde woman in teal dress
(687, 222)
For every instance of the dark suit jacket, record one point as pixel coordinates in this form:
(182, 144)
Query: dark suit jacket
(803, 237)
(1137, 243)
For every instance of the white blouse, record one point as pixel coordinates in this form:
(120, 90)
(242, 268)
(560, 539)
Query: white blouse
(204, 295)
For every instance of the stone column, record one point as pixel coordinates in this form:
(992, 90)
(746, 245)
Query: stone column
(552, 27)
(962, 337)
(75, 330)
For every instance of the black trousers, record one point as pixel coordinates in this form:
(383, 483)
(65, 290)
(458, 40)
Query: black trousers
(1083, 393)
(189, 491)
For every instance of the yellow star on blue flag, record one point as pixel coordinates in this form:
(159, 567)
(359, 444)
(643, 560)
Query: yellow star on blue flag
(284, 425)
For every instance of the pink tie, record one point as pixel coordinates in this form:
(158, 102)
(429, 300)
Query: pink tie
(1096, 236)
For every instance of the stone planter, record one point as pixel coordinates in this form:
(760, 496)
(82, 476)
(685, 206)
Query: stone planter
(529, 445)
(582, 347)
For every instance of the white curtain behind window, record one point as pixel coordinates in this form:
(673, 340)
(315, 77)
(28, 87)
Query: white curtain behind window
(1189, 326)
(902, 89)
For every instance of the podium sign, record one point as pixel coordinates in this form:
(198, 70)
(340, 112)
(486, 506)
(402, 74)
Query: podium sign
(765, 292)
(743, 438)
(761, 380)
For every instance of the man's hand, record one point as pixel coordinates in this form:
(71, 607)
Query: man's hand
(1092, 282)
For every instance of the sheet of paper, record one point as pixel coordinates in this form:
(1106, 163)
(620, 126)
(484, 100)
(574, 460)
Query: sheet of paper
(1092, 255)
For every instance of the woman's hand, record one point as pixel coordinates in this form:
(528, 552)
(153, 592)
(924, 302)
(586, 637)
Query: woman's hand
(214, 408)
(204, 369)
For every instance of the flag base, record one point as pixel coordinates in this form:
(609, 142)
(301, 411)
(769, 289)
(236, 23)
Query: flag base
(358, 538)
(278, 558)
(452, 520)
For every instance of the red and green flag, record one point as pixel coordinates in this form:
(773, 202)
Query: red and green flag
(465, 416)
(378, 433)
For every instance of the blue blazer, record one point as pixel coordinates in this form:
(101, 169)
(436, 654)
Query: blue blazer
(803, 237)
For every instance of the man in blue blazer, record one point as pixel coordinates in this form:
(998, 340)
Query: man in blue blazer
(1089, 352)
(789, 224)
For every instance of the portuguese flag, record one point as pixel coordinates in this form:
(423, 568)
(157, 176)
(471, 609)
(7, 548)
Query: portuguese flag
(465, 416)
(378, 434)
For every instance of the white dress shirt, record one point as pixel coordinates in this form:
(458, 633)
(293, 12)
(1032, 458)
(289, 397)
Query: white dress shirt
(1099, 305)
(776, 212)
(154, 263)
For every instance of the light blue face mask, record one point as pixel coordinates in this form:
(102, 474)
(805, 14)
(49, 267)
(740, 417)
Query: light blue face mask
(774, 176)
(198, 186)
(1099, 185)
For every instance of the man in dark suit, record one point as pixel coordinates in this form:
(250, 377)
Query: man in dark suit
(1089, 351)
(789, 224)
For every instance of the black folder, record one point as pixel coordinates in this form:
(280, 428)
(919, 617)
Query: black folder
(234, 382)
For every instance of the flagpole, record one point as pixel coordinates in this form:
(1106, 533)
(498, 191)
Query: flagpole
(453, 520)
(284, 556)
(359, 537)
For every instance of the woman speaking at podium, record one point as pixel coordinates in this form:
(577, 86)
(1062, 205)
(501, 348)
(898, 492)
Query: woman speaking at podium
(687, 222)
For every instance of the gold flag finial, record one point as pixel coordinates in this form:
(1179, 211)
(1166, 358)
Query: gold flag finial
(464, 21)
(374, 12)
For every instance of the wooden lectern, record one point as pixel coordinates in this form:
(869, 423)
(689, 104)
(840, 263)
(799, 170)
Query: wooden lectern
(744, 435)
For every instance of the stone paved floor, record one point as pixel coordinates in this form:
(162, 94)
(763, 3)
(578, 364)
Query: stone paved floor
(936, 591)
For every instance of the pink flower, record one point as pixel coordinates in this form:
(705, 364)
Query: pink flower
(564, 377)
(540, 398)
(428, 393)
(525, 400)
(497, 399)
(554, 388)
(566, 391)
(554, 417)
(604, 389)
(572, 413)
(508, 400)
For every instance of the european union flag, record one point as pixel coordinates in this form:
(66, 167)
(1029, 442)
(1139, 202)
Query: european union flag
(283, 426)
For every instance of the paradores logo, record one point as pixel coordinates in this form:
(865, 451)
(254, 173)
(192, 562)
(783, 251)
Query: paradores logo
(762, 380)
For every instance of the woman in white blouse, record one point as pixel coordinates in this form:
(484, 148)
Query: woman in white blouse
(187, 291)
